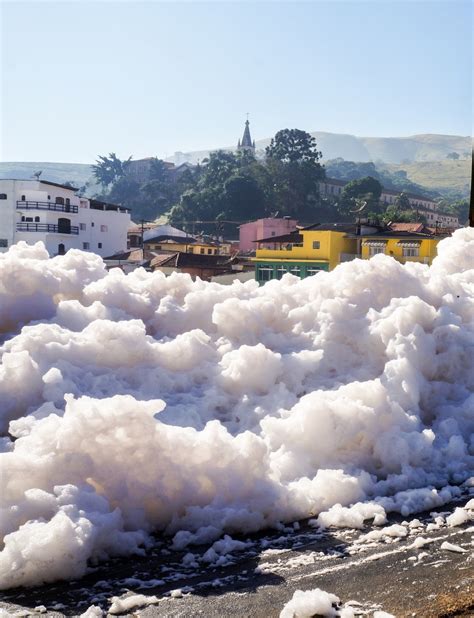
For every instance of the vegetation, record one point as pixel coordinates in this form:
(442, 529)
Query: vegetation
(228, 188)
(361, 196)
(396, 180)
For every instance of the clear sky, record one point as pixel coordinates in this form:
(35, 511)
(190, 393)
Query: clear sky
(150, 78)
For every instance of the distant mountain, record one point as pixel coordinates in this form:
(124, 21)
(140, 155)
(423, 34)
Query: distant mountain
(76, 173)
(423, 157)
(429, 147)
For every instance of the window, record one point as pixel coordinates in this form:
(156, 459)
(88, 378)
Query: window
(68, 202)
(316, 244)
(29, 219)
(280, 271)
(209, 252)
(49, 197)
(59, 200)
(99, 245)
(3, 196)
(61, 249)
(411, 251)
(37, 219)
(23, 198)
(202, 251)
(3, 242)
(82, 226)
(295, 270)
(313, 270)
(273, 233)
(265, 273)
(92, 224)
(375, 250)
(86, 246)
(103, 228)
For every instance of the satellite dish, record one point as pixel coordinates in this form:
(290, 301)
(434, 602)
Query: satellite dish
(361, 206)
(37, 174)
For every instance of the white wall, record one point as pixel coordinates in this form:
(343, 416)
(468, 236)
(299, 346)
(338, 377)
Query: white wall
(113, 239)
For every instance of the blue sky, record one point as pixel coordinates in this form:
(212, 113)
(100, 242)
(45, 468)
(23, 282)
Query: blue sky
(151, 78)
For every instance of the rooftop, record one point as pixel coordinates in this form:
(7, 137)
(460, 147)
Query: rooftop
(100, 205)
(43, 182)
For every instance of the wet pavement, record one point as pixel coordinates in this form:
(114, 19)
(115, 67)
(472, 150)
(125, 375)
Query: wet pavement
(391, 574)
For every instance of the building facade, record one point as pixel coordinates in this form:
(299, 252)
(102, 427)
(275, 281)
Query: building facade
(322, 247)
(306, 252)
(39, 210)
(250, 232)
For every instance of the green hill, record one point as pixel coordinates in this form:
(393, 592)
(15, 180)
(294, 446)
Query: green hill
(425, 147)
(450, 178)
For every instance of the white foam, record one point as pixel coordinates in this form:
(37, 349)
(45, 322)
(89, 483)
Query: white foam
(145, 402)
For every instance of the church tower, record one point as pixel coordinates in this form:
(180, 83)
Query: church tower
(246, 143)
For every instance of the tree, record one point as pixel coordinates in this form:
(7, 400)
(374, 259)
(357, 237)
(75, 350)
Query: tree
(394, 214)
(402, 202)
(357, 192)
(452, 155)
(109, 169)
(243, 199)
(293, 146)
(292, 160)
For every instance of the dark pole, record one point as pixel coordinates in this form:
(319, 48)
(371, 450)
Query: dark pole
(471, 204)
(143, 245)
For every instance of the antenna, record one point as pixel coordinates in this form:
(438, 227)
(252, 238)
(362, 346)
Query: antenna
(37, 174)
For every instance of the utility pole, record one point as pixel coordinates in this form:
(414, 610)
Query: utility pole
(471, 204)
(142, 222)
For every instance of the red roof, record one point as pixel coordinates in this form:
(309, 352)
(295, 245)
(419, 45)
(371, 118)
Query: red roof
(407, 227)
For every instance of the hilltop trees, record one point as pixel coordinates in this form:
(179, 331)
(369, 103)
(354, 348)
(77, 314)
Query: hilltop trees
(292, 159)
(361, 195)
(108, 170)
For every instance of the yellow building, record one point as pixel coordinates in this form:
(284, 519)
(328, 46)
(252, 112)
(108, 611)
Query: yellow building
(403, 246)
(184, 245)
(323, 246)
(306, 251)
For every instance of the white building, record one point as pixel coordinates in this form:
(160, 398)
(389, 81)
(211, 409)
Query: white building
(438, 219)
(33, 210)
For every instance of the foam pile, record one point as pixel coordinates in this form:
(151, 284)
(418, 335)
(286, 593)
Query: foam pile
(142, 402)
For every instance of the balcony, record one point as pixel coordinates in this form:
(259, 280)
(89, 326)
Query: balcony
(47, 228)
(26, 205)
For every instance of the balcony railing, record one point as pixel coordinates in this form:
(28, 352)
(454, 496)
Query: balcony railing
(47, 228)
(27, 205)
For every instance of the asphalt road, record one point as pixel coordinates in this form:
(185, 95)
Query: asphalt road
(390, 574)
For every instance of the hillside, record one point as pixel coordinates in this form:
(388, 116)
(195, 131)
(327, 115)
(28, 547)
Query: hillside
(446, 177)
(76, 173)
(427, 147)
(423, 157)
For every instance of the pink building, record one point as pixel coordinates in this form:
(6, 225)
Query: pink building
(263, 228)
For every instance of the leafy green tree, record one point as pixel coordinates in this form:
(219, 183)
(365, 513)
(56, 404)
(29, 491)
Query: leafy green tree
(293, 146)
(394, 214)
(454, 156)
(361, 195)
(108, 170)
(292, 160)
(243, 198)
(458, 208)
(402, 202)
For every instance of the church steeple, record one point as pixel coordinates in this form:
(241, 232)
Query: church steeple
(246, 143)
